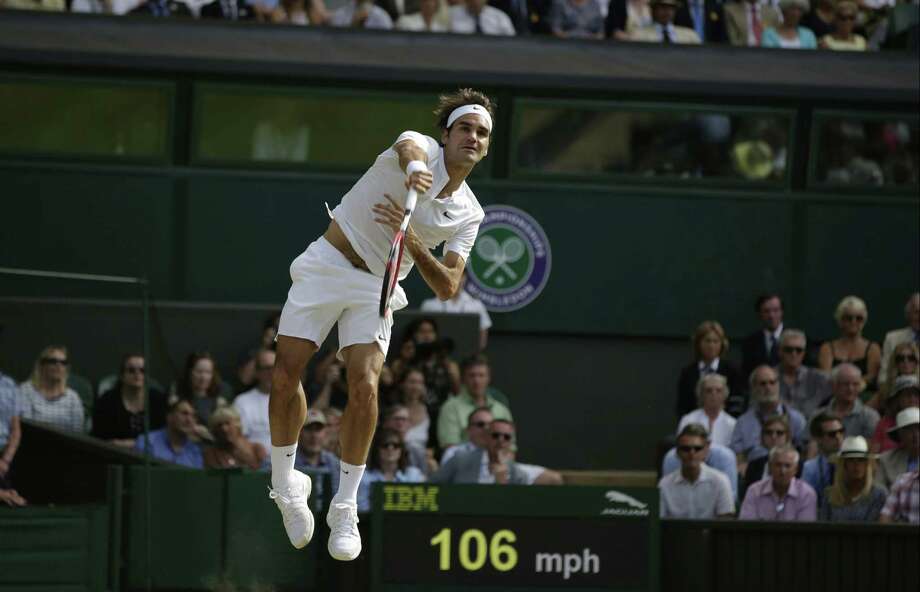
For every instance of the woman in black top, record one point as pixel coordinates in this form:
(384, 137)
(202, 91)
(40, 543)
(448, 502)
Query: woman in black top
(118, 415)
(710, 345)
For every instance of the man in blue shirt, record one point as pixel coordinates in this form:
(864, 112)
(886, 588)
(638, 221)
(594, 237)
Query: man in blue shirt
(173, 443)
(827, 430)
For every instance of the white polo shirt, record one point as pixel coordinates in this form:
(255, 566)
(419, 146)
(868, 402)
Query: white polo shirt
(706, 498)
(253, 409)
(453, 220)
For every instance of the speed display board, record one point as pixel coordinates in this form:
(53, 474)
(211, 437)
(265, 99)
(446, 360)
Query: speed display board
(447, 538)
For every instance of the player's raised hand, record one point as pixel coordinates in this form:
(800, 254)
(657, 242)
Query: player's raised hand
(420, 181)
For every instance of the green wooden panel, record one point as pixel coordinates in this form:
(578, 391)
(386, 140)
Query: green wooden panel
(85, 118)
(114, 223)
(187, 513)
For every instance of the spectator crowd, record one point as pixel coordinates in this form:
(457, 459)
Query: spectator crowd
(839, 25)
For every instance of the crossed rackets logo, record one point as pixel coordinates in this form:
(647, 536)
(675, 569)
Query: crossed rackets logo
(510, 251)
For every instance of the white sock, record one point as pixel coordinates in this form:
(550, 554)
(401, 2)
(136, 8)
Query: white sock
(349, 479)
(282, 465)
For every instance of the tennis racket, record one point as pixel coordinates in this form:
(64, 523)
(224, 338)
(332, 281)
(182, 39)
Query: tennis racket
(394, 259)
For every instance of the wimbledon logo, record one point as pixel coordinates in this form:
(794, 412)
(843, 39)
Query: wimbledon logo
(510, 262)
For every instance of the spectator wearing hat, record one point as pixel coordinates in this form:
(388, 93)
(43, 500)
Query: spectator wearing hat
(695, 491)
(854, 495)
(896, 396)
(908, 334)
(746, 20)
(253, 404)
(710, 346)
(706, 17)
(311, 454)
(843, 38)
(231, 448)
(175, 443)
(800, 387)
(780, 497)
(857, 418)
(711, 394)
(903, 503)
(827, 431)
(763, 346)
(789, 34)
(904, 458)
(662, 29)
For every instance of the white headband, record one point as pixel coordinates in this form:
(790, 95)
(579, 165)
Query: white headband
(467, 109)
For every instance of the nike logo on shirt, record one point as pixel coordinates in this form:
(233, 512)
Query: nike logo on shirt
(446, 215)
(291, 454)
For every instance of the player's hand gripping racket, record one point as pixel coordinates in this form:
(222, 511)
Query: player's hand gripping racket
(394, 260)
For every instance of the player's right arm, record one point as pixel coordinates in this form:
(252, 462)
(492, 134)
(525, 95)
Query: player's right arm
(419, 177)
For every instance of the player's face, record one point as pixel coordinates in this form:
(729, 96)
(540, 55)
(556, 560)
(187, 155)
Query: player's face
(467, 141)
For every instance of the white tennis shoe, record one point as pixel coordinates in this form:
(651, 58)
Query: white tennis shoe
(344, 538)
(295, 511)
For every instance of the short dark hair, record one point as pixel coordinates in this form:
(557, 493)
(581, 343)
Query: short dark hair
(473, 360)
(469, 418)
(128, 356)
(767, 296)
(815, 426)
(464, 96)
(696, 430)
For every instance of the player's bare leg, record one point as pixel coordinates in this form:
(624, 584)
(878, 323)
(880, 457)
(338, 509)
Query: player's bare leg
(363, 363)
(287, 409)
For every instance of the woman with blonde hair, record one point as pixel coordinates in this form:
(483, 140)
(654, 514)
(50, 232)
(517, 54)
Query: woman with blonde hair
(843, 38)
(854, 496)
(46, 396)
(710, 345)
(231, 449)
(851, 346)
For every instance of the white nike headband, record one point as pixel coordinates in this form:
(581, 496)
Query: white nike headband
(467, 109)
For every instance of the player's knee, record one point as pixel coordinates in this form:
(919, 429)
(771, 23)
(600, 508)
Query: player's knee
(362, 392)
(285, 378)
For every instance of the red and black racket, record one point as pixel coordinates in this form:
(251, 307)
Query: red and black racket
(394, 259)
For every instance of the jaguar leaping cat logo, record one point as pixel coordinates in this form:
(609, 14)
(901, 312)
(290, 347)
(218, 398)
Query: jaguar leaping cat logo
(622, 498)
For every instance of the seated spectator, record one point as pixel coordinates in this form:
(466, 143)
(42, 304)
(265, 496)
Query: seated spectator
(763, 346)
(493, 465)
(695, 491)
(843, 38)
(857, 418)
(903, 503)
(710, 344)
(454, 414)
(162, 8)
(299, 12)
(475, 16)
(790, 34)
(396, 418)
(578, 19)
(118, 416)
(904, 393)
(711, 393)
(774, 432)
(766, 403)
(361, 14)
(333, 424)
(46, 398)
(231, 10)
(720, 458)
(463, 302)
(231, 448)
(414, 396)
(706, 17)
(175, 443)
(10, 426)
(201, 385)
(663, 29)
(905, 457)
(326, 385)
(851, 347)
(821, 19)
(780, 496)
(800, 387)
(312, 455)
(388, 461)
(827, 431)
(746, 20)
(624, 17)
(43, 5)
(908, 334)
(477, 432)
(252, 405)
(854, 495)
(432, 355)
(432, 17)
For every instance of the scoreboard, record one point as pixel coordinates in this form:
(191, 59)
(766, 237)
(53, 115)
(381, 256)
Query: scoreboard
(448, 538)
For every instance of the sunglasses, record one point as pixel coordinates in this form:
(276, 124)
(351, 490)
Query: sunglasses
(502, 436)
(135, 370)
(848, 318)
(685, 448)
(833, 433)
(793, 350)
(391, 446)
(775, 432)
(56, 361)
(479, 424)
(905, 358)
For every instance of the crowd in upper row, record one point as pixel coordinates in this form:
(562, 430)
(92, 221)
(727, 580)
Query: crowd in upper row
(790, 24)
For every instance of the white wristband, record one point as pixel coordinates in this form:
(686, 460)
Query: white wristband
(415, 166)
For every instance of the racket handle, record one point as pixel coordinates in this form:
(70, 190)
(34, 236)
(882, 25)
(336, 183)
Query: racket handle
(411, 198)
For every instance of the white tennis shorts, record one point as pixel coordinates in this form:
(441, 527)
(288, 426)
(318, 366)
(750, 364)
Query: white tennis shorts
(327, 288)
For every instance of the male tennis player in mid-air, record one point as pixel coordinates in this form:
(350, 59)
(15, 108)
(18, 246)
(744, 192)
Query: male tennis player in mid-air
(339, 278)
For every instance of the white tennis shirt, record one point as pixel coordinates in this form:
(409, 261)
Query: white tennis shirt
(453, 220)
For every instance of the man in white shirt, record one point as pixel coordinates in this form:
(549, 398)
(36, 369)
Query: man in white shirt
(253, 404)
(695, 491)
(361, 14)
(475, 16)
(463, 302)
(338, 280)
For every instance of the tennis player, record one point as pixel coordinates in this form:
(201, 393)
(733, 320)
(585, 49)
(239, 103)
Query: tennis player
(339, 279)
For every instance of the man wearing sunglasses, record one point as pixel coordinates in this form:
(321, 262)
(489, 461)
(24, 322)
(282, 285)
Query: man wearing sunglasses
(905, 335)
(493, 465)
(477, 430)
(846, 384)
(827, 431)
(695, 491)
(801, 387)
